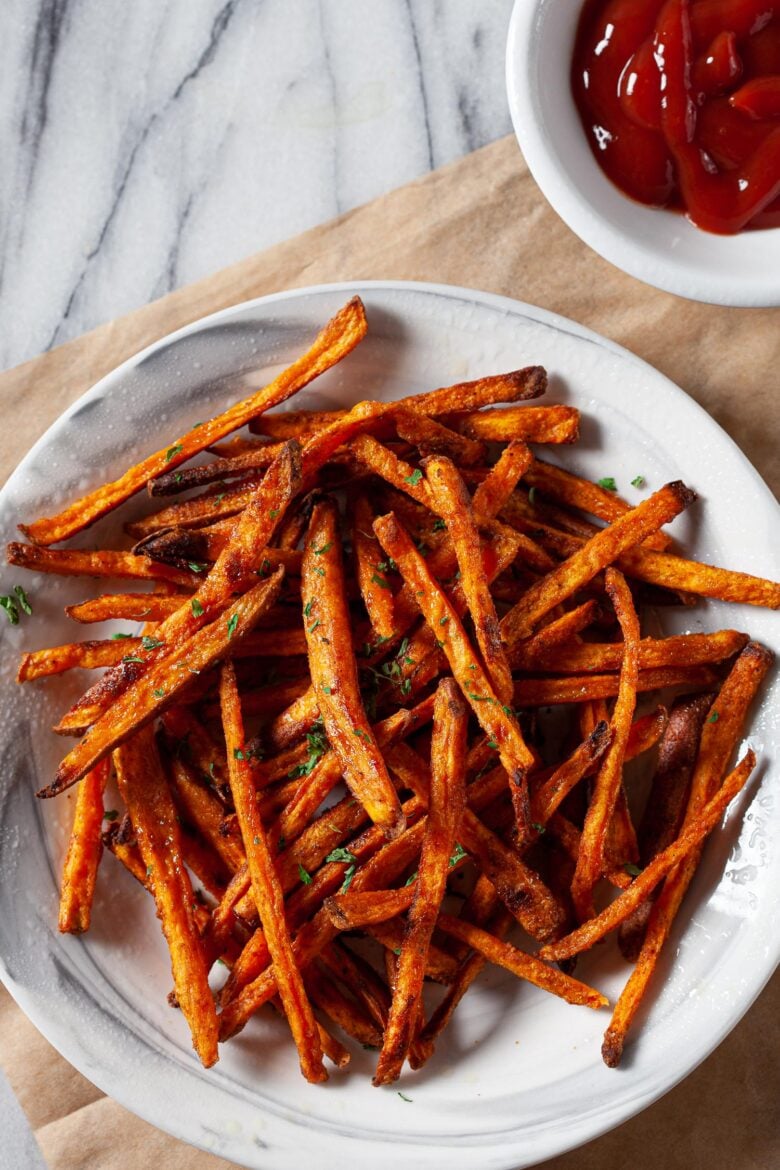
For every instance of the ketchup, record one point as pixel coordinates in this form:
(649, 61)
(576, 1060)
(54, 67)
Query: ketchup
(680, 100)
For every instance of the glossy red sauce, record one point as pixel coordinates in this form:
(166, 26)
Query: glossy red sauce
(680, 100)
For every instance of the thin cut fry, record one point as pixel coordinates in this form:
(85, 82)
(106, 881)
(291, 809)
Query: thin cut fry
(265, 885)
(582, 688)
(374, 586)
(447, 791)
(145, 792)
(494, 491)
(534, 424)
(84, 849)
(431, 437)
(78, 562)
(334, 672)
(336, 340)
(87, 655)
(654, 653)
(133, 607)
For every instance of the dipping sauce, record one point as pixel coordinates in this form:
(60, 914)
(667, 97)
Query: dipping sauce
(680, 100)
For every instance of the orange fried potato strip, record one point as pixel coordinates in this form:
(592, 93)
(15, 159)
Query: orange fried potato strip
(265, 884)
(88, 655)
(445, 807)
(375, 589)
(677, 650)
(79, 562)
(132, 607)
(334, 671)
(582, 688)
(491, 495)
(534, 424)
(144, 790)
(334, 342)
(84, 849)
(431, 437)
(591, 857)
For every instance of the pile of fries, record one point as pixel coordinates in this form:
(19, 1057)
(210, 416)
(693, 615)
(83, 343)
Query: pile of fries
(332, 737)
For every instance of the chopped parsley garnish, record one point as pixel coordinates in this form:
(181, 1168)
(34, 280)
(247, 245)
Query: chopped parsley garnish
(110, 814)
(411, 878)
(178, 477)
(403, 1097)
(633, 870)
(11, 612)
(375, 577)
(159, 692)
(176, 449)
(439, 525)
(491, 743)
(196, 607)
(538, 826)
(304, 875)
(327, 690)
(414, 478)
(714, 717)
(117, 637)
(360, 733)
(458, 853)
(320, 552)
(318, 744)
(638, 481)
(387, 566)
(608, 483)
(231, 626)
(23, 600)
(133, 658)
(314, 625)
(320, 572)
(307, 608)
(194, 567)
(238, 754)
(443, 621)
(273, 513)
(150, 643)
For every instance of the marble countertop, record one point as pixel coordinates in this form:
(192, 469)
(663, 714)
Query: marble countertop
(147, 144)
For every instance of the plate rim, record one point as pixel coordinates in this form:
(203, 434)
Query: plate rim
(583, 1129)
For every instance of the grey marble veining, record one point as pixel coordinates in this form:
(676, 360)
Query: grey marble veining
(147, 144)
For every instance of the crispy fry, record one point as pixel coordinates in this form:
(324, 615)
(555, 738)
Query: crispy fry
(87, 655)
(375, 588)
(201, 511)
(654, 653)
(334, 672)
(453, 504)
(550, 795)
(170, 483)
(84, 849)
(145, 792)
(582, 688)
(341, 1009)
(133, 607)
(77, 562)
(494, 491)
(265, 885)
(534, 424)
(673, 572)
(163, 682)
(431, 437)
(523, 965)
(335, 341)
(599, 552)
(446, 802)
(557, 633)
(440, 615)
(591, 857)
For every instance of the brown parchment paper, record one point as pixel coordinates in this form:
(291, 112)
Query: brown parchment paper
(480, 222)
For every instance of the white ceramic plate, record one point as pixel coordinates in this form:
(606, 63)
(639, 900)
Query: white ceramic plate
(519, 1076)
(660, 247)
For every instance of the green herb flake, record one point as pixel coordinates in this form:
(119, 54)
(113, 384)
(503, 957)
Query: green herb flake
(538, 826)
(443, 621)
(196, 607)
(439, 525)
(118, 637)
(608, 483)
(324, 548)
(633, 870)
(327, 690)
(148, 871)
(319, 571)
(491, 743)
(380, 581)
(360, 733)
(274, 512)
(414, 478)
(232, 624)
(150, 643)
(176, 449)
(307, 608)
(714, 717)
(403, 1096)
(638, 481)
(304, 875)
(23, 600)
(238, 754)
(11, 612)
(458, 853)
(411, 878)
(159, 692)
(341, 854)
(133, 658)
(313, 625)
(110, 814)
(194, 567)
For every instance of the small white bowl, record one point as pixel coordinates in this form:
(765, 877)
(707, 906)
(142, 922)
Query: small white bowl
(660, 247)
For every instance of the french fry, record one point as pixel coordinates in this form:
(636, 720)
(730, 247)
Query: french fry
(338, 338)
(145, 792)
(591, 857)
(499, 725)
(719, 739)
(163, 681)
(596, 554)
(679, 650)
(446, 801)
(674, 572)
(201, 511)
(334, 672)
(557, 633)
(133, 607)
(171, 483)
(344, 1011)
(582, 688)
(85, 846)
(550, 795)
(431, 437)
(375, 589)
(453, 504)
(525, 966)
(265, 885)
(534, 424)
(491, 495)
(691, 838)
(77, 562)
(86, 655)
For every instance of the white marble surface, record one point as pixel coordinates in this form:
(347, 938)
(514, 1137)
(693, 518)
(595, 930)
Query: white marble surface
(146, 144)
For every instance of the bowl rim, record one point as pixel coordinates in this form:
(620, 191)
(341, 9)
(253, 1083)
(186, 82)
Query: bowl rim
(646, 263)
